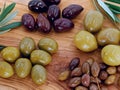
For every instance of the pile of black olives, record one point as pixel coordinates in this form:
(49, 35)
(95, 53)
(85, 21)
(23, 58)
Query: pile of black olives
(27, 59)
(53, 18)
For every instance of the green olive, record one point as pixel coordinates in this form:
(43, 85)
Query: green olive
(23, 67)
(93, 21)
(48, 44)
(85, 41)
(111, 55)
(10, 54)
(6, 70)
(39, 74)
(108, 36)
(40, 57)
(27, 45)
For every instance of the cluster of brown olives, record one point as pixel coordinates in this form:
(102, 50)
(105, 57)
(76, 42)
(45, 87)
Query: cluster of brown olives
(28, 59)
(53, 18)
(93, 36)
(89, 75)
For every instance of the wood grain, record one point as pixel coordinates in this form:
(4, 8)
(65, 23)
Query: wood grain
(66, 52)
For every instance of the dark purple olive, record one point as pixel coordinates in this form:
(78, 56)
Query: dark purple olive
(63, 24)
(72, 11)
(43, 24)
(51, 2)
(53, 13)
(28, 21)
(37, 6)
(74, 63)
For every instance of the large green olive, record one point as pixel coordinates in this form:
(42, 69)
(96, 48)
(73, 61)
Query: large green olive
(27, 45)
(108, 36)
(10, 54)
(39, 74)
(111, 55)
(23, 67)
(6, 70)
(48, 44)
(93, 21)
(85, 41)
(40, 57)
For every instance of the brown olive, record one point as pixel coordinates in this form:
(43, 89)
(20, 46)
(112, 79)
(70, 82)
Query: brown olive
(110, 80)
(10, 54)
(108, 36)
(111, 70)
(64, 75)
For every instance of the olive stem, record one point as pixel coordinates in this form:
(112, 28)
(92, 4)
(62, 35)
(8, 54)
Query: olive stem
(98, 84)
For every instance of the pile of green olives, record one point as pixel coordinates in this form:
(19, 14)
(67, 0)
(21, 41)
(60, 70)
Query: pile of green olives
(27, 59)
(94, 36)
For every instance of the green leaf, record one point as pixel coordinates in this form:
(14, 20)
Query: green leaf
(10, 26)
(112, 5)
(2, 32)
(8, 18)
(114, 11)
(105, 8)
(2, 47)
(6, 11)
(116, 1)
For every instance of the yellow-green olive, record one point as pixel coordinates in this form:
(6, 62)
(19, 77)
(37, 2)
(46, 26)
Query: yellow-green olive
(10, 54)
(39, 74)
(40, 57)
(48, 44)
(27, 45)
(23, 67)
(111, 55)
(85, 41)
(93, 21)
(108, 36)
(6, 70)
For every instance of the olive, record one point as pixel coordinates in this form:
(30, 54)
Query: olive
(40, 57)
(6, 70)
(39, 74)
(108, 36)
(93, 21)
(37, 6)
(27, 45)
(85, 41)
(23, 67)
(48, 44)
(111, 55)
(10, 54)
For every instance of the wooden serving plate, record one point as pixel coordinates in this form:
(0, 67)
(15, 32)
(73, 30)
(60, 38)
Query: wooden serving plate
(66, 52)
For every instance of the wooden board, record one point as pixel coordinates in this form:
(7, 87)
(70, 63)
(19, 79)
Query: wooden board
(66, 52)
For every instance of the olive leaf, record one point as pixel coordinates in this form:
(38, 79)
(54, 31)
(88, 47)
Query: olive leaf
(6, 11)
(10, 26)
(114, 11)
(113, 5)
(2, 47)
(8, 18)
(2, 32)
(116, 1)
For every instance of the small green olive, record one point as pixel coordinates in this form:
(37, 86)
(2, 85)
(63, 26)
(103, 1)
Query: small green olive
(23, 67)
(93, 21)
(39, 74)
(6, 70)
(108, 36)
(10, 54)
(85, 41)
(27, 45)
(48, 44)
(40, 57)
